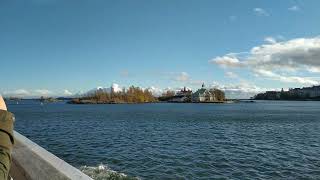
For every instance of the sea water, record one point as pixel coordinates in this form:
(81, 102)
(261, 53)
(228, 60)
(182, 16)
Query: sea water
(262, 140)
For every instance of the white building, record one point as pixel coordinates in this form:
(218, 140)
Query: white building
(203, 95)
(310, 92)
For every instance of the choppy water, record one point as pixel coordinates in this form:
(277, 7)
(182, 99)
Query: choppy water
(263, 140)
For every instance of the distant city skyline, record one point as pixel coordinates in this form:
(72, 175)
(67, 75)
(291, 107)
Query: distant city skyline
(61, 48)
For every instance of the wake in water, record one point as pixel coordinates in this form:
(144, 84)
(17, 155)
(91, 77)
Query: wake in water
(103, 172)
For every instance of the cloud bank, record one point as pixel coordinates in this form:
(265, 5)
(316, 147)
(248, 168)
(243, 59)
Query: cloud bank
(23, 93)
(287, 61)
(240, 90)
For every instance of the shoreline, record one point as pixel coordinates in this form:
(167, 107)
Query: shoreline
(213, 102)
(286, 99)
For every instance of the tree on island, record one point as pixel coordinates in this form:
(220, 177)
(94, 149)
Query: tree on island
(219, 95)
(167, 95)
(132, 95)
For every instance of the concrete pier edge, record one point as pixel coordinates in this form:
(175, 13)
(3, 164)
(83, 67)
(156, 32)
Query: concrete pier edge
(32, 162)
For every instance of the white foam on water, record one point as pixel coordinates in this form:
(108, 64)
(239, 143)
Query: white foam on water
(103, 172)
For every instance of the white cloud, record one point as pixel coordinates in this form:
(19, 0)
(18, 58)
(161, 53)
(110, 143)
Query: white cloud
(42, 92)
(314, 69)
(66, 92)
(227, 61)
(260, 12)
(155, 91)
(240, 90)
(294, 8)
(18, 93)
(289, 79)
(185, 78)
(23, 93)
(232, 75)
(270, 60)
(115, 87)
(196, 82)
(295, 54)
(182, 77)
(270, 40)
(273, 39)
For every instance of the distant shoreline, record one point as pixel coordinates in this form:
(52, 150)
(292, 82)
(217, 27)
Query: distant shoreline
(286, 99)
(212, 102)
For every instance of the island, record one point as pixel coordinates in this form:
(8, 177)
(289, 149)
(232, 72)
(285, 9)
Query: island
(202, 95)
(134, 95)
(48, 99)
(300, 94)
(128, 96)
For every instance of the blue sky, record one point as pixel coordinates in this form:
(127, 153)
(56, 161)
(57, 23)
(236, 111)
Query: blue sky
(58, 47)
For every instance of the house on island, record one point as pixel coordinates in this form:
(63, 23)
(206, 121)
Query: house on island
(203, 95)
(184, 95)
